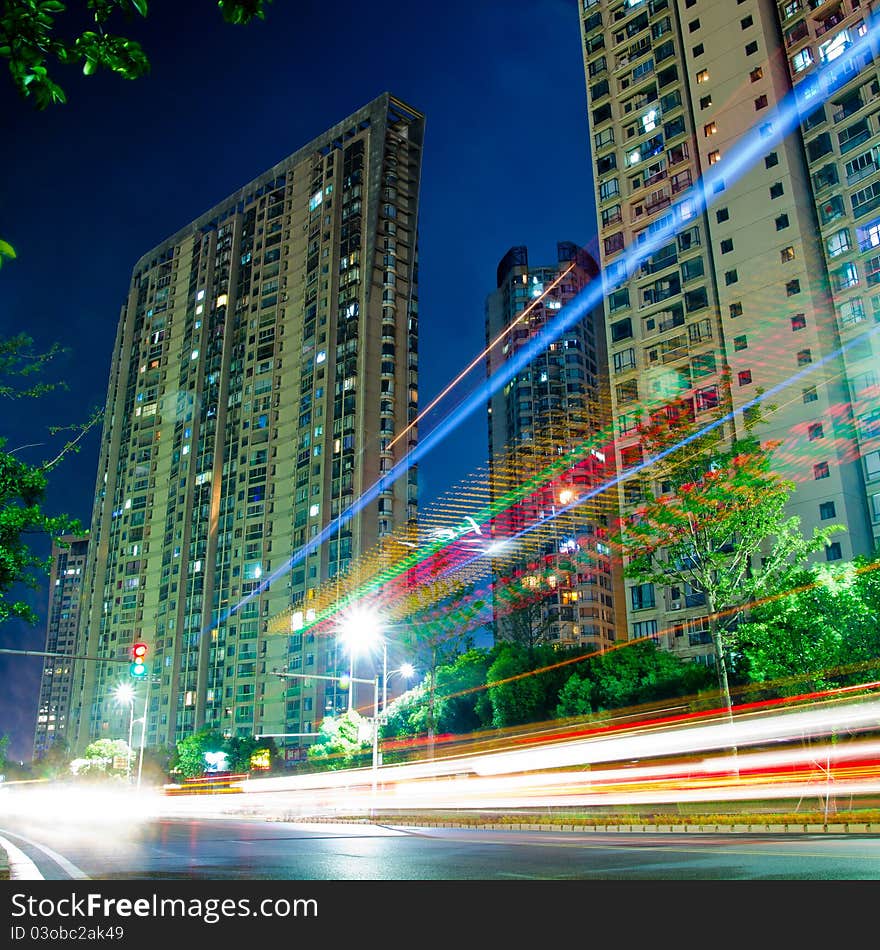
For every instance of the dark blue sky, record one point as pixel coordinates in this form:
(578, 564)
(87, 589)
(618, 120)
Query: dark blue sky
(89, 187)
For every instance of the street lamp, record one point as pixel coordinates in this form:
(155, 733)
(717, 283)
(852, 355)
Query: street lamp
(124, 693)
(406, 670)
(359, 629)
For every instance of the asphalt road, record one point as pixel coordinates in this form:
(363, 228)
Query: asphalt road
(227, 850)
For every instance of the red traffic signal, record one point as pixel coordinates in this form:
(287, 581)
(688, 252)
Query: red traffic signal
(138, 666)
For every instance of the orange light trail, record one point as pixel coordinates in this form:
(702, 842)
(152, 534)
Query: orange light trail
(480, 356)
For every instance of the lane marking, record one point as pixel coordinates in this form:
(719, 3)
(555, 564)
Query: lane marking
(65, 865)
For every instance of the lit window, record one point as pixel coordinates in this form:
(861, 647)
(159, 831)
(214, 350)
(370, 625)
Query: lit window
(787, 254)
(835, 47)
(321, 357)
(802, 60)
(703, 75)
(710, 129)
(714, 156)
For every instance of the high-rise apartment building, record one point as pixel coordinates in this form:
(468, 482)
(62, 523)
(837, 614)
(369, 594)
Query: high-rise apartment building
(65, 589)
(737, 301)
(265, 357)
(548, 456)
(842, 142)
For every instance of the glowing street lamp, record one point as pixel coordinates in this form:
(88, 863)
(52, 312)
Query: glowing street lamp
(360, 629)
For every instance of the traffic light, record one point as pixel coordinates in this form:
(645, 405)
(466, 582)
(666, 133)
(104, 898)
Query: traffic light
(138, 667)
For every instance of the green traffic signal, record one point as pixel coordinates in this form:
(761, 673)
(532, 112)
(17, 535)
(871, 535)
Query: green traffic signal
(138, 668)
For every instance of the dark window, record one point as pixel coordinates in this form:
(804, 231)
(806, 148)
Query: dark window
(761, 102)
(798, 321)
(642, 596)
(751, 48)
(699, 50)
(722, 214)
(804, 357)
(781, 222)
(776, 190)
(693, 26)
(745, 377)
(810, 394)
(705, 102)
(833, 552)
(740, 342)
(745, 22)
(821, 470)
(815, 431)
(731, 277)
(727, 245)
(736, 309)
(827, 510)
(771, 160)
(793, 287)
(621, 330)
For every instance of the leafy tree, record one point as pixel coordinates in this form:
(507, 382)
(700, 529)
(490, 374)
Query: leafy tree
(719, 526)
(22, 485)
(99, 759)
(242, 749)
(30, 40)
(640, 672)
(189, 756)
(524, 684)
(4, 755)
(343, 743)
(407, 715)
(434, 638)
(463, 703)
(822, 632)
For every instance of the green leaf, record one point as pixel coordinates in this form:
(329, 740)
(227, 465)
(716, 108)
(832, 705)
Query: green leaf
(6, 250)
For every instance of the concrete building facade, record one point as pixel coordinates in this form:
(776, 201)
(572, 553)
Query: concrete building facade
(548, 452)
(65, 591)
(739, 300)
(265, 357)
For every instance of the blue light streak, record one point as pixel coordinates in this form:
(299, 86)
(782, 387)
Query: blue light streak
(784, 119)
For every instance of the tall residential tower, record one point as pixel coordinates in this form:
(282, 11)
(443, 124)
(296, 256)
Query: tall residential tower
(548, 455)
(738, 298)
(265, 357)
(65, 593)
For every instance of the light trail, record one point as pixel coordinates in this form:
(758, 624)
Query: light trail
(741, 157)
(481, 356)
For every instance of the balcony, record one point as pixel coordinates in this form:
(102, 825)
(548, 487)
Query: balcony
(677, 320)
(653, 179)
(847, 109)
(656, 203)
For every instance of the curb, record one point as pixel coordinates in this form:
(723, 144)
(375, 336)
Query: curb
(837, 828)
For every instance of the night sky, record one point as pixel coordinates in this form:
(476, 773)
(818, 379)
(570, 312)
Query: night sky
(88, 187)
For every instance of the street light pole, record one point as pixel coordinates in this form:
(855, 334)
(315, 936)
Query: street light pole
(143, 733)
(384, 676)
(130, 730)
(375, 682)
